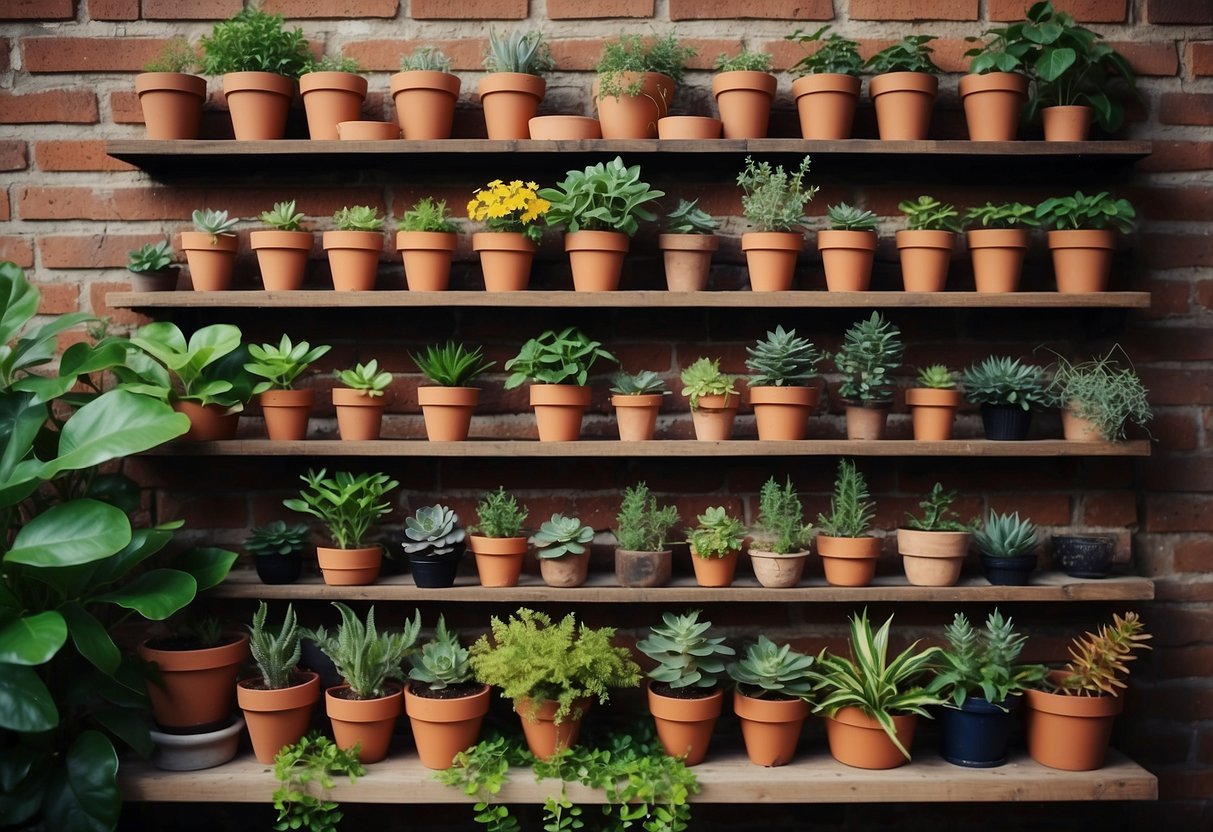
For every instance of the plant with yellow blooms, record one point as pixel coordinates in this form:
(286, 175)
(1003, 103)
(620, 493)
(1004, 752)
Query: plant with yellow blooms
(510, 206)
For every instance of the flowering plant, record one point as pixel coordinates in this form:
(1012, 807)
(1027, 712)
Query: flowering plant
(510, 206)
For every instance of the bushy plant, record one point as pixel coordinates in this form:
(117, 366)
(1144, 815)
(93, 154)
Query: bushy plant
(358, 218)
(782, 359)
(283, 217)
(688, 218)
(442, 662)
(871, 350)
(561, 536)
(513, 206)
(346, 503)
(643, 383)
(642, 525)
(982, 663)
(150, 257)
(686, 656)
(518, 51)
(1002, 215)
(433, 532)
(276, 654)
(212, 222)
(425, 58)
(717, 533)
(365, 377)
(255, 41)
(771, 671)
(276, 539)
(636, 53)
(834, 54)
(936, 377)
(556, 358)
(333, 63)
(781, 525)
(1000, 380)
(1099, 661)
(306, 766)
(703, 378)
(910, 54)
(427, 214)
(452, 364)
(177, 56)
(207, 369)
(280, 365)
(365, 658)
(607, 196)
(844, 217)
(1101, 391)
(1005, 49)
(743, 61)
(851, 510)
(937, 514)
(929, 214)
(1005, 536)
(499, 515)
(773, 199)
(1095, 212)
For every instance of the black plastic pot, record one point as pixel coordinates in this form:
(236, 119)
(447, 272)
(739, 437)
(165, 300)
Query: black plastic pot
(977, 734)
(313, 659)
(278, 569)
(1084, 557)
(1014, 571)
(436, 573)
(1006, 422)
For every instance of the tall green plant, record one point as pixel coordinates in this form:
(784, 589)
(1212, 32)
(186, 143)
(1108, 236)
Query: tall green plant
(367, 659)
(255, 41)
(346, 503)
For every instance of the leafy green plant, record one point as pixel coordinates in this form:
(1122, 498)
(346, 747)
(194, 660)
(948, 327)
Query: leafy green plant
(365, 377)
(871, 350)
(1000, 380)
(688, 218)
(281, 365)
(1005, 49)
(782, 359)
(425, 58)
(1099, 661)
(1095, 212)
(781, 526)
(150, 257)
(276, 654)
(773, 199)
(936, 377)
(843, 217)
(365, 658)
(333, 63)
(833, 55)
(1005, 536)
(556, 358)
(442, 662)
(358, 218)
(300, 768)
(433, 532)
(703, 378)
(208, 221)
(851, 510)
(686, 656)
(717, 533)
(982, 663)
(276, 539)
(208, 369)
(937, 514)
(607, 196)
(769, 671)
(635, 53)
(452, 364)
(255, 41)
(427, 214)
(346, 503)
(929, 214)
(1101, 391)
(283, 217)
(499, 515)
(177, 56)
(518, 51)
(1003, 215)
(643, 383)
(910, 54)
(642, 525)
(561, 536)
(743, 61)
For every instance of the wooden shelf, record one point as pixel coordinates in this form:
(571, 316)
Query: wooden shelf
(602, 589)
(724, 778)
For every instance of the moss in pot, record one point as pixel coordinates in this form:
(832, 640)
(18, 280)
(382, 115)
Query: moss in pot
(1007, 390)
(434, 541)
(277, 550)
(642, 555)
(1006, 544)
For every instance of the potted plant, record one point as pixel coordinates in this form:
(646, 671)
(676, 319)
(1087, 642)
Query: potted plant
(826, 88)
(277, 551)
(781, 538)
(715, 544)
(773, 203)
(635, 84)
(982, 687)
(551, 672)
(169, 95)
(434, 540)
(282, 252)
(444, 702)
(348, 505)
(151, 267)
(783, 367)
(1006, 389)
(771, 700)
(685, 693)
(1070, 721)
(714, 399)
(642, 549)
(687, 246)
(360, 404)
(498, 540)
(425, 92)
(871, 702)
(354, 248)
(514, 215)
(1007, 545)
(364, 708)
(1084, 556)
(602, 208)
(1098, 398)
(448, 406)
(286, 409)
(563, 546)
(998, 246)
(743, 87)
(848, 552)
(871, 351)
(210, 250)
(426, 237)
(995, 88)
(933, 403)
(259, 60)
(333, 91)
(277, 704)
(848, 248)
(636, 401)
(933, 544)
(558, 367)
(195, 673)
(904, 84)
(1081, 234)
(925, 246)
(512, 90)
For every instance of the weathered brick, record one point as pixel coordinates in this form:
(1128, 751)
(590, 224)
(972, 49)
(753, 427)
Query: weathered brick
(1087, 11)
(159, 203)
(1044, 509)
(1158, 203)
(1175, 431)
(113, 9)
(5, 60)
(120, 317)
(94, 251)
(1150, 58)
(90, 54)
(1110, 509)
(581, 9)
(193, 10)
(75, 155)
(1178, 513)
(1178, 11)
(37, 10)
(292, 9)
(68, 106)
(1178, 156)
(12, 155)
(761, 9)
(5, 212)
(1194, 555)
(58, 298)
(1195, 108)
(1179, 386)
(469, 9)
(1199, 58)
(18, 249)
(913, 9)
(1173, 251)
(125, 107)
(465, 54)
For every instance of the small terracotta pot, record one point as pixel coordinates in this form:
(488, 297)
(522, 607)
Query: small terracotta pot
(286, 413)
(210, 258)
(932, 558)
(770, 728)
(510, 100)
(688, 260)
(448, 411)
(933, 412)
(368, 131)
(544, 736)
(1070, 732)
(353, 258)
(558, 410)
(505, 259)
(992, 103)
(427, 258)
(330, 98)
(997, 257)
(1082, 259)
(643, 569)
(714, 571)
(1067, 124)
(695, 128)
(848, 561)
(171, 104)
(259, 103)
(636, 416)
(782, 413)
(771, 258)
(282, 258)
(596, 258)
(713, 417)
(847, 258)
(208, 422)
(925, 256)
(161, 280)
(826, 105)
(359, 416)
(278, 718)
(566, 571)
(564, 128)
(498, 559)
(425, 103)
(350, 567)
(194, 694)
(743, 98)
(903, 101)
(1077, 429)
(684, 726)
(867, 421)
(776, 571)
(634, 116)
(444, 727)
(857, 739)
(367, 723)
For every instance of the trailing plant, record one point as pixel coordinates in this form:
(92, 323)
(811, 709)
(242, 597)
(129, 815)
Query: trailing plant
(365, 658)
(1003, 215)
(1005, 49)
(333, 63)
(433, 532)
(770, 671)
(283, 217)
(643, 383)
(937, 514)
(717, 533)
(561, 536)
(427, 214)
(255, 41)
(208, 221)
(635, 53)
(514, 207)
(452, 364)
(556, 358)
(499, 515)
(743, 61)
(365, 377)
(1005, 536)
(518, 51)
(688, 218)
(441, 662)
(936, 377)
(773, 199)
(686, 656)
(1095, 212)
(833, 55)
(425, 58)
(346, 503)
(300, 768)
(642, 525)
(207, 369)
(982, 663)
(851, 510)
(276, 539)
(781, 519)
(783, 359)
(358, 218)
(845, 217)
(910, 54)
(1099, 661)
(276, 654)
(929, 214)
(177, 56)
(1000, 380)
(150, 257)
(607, 196)
(281, 365)
(1101, 391)
(703, 378)
(871, 351)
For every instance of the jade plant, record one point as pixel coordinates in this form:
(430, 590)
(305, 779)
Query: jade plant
(929, 214)
(1099, 661)
(834, 54)
(981, 663)
(781, 527)
(283, 217)
(366, 659)
(433, 532)
(499, 515)
(871, 350)
(783, 359)
(773, 199)
(1000, 380)
(1101, 391)
(910, 54)
(358, 218)
(281, 365)
(452, 364)
(255, 41)
(526, 52)
(717, 534)
(772, 671)
(1005, 536)
(688, 218)
(703, 378)
(366, 378)
(851, 510)
(636, 53)
(607, 196)
(687, 657)
(844, 217)
(643, 525)
(348, 504)
(427, 214)
(1095, 212)
(563, 357)
(561, 536)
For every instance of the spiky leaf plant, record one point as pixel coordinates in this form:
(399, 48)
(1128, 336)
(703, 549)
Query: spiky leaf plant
(982, 662)
(1005, 536)
(936, 377)
(1099, 661)
(643, 383)
(441, 662)
(686, 656)
(771, 671)
(937, 514)
(851, 512)
(781, 523)
(871, 350)
(642, 525)
(782, 359)
(276, 654)
(518, 51)
(366, 658)
(499, 515)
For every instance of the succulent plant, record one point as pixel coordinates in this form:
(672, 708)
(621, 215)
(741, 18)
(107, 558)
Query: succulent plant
(214, 222)
(276, 538)
(277, 654)
(365, 377)
(150, 257)
(686, 656)
(871, 351)
(643, 383)
(1099, 660)
(365, 658)
(433, 532)
(937, 514)
(358, 218)
(851, 512)
(936, 377)
(688, 218)
(703, 378)
(770, 671)
(426, 58)
(717, 533)
(561, 536)
(441, 662)
(283, 217)
(999, 380)
(452, 364)
(844, 217)
(782, 359)
(1005, 536)
(280, 365)
(982, 662)
(518, 51)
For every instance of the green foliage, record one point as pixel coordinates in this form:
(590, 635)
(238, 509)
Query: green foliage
(255, 41)
(365, 377)
(302, 767)
(937, 514)
(1099, 661)
(365, 658)
(982, 663)
(213, 222)
(743, 61)
(1003, 215)
(452, 364)
(851, 510)
(844, 217)
(283, 217)
(1005, 536)
(281, 365)
(717, 534)
(686, 656)
(433, 532)
(427, 58)
(276, 538)
(834, 55)
(910, 54)
(442, 661)
(687, 218)
(643, 383)
(333, 63)
(518, 51)
(769, 671)
(556, 358)
(773, 200)
(635, 53)
(703, 378)
(276, 654)
(177, 56)
(150, 257)
(208, 369)
(781, 525)
(428, 214)
(929, 214)
(607, 196)
(1090, 212)
(500, 515)
(782, 359)
(204, 630)
(1000, 380)
(1006, 49)
(1102, 391)
(347, 504)
(936, 377)
(358, 218)
(871, 351)
(642, 525)
(561, 536)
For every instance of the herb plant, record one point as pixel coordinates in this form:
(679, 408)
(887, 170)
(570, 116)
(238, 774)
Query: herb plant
(769, 671)
(333, 63)
(358, 218)
(513, 206)
(782, 359)
(688, 218)
(607, 196)
(773, 199)
(452, 364)
(851, 510)
(425, 58)
(276, 539)
(717, 533)
(686, 656)
(1099, 661)
(910, 54)
(871, 350)
(214, 223)
(1004, 215)
(433, 532)
(1000, 380)
(936, 377)
(499, 515)
(283, 217)
(1005, 536)
(518, 51)
(1090, 212)
(300, 768)
(255, 41)
(743, 61)
(556, 358)
(561, 536)
(703, 378)
(277, 654)
(937, 514)
(365, 658)
(982, 663)
(642, 525)
(150, 257)
(843, 217)
(427, 214)
(929, 214)
(177, 56)
(643, 383)
(365, 377)
(1102, 392)
(635, 53)
(281, 365)
(781, 525)
(834, 54)
(442, 662)
(347, 504)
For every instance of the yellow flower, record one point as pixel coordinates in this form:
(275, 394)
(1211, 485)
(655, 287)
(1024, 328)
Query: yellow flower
(494, 183)
(532, 186)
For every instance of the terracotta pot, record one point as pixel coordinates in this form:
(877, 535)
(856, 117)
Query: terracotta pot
(596, 258)
(330, 98)
(368, 131)
(498, 559)
(544, 736)
(350, 567)
(925, 256)
(427, 258)
(867, 421)
(367, 723)
(566, 571)
(848, 561)
(353, 258)
(1075, 428)
(510, 100)
(1070, 732)
(208, 422)
(277, 718)
(847, 258)
(210, 258)
(933, 412)
(425, 103)
(162, 280)
(505, 259)
(286, 413)
(171, 103)
(1082, 259)
(643, 569)
(771, 258)
(558, 410)
(714, 571)
(932, 558)
(783, 412)
(826, 105)
(194, 693)
(776, 571)
(564, 128)
(447, 411)
(904, 101)
(636, 416)
(444, 727)
(634, 116)
(997, 257)
(1067, 124)
(684, 726)
(992, 103)
(282, 258)
(359, 416)
(857, 739)
(744, 101)
(688, 260)
(770, 727)
(259, 103)
(688, 127)
(713, 417)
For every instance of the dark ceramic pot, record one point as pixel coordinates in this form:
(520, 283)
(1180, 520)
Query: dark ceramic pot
(1016, 571)
(1006, 422)
(436, 573)
(278, 569)
(1084, 557)
(313, 659)
(977, 734)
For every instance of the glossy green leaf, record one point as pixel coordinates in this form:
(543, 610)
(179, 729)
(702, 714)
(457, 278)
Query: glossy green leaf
(83, 795)
(75, 532)
(25, 703)
(208, 565)
(128, 725)
(116, 424)
(18, 301)
(23, 775)
(91, 638)
(32, 639)
(156, 594)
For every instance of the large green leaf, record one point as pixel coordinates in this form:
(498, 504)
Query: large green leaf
(32, 639)
(128, 725)
(25, 703)
(208, 565)
(83, 795)
(91, 638)
(127, 688)
(144, 543)
(78, 531)
(1054, 62)
(20, 420)
(23, 775)
(18, 301)
(117, 423)
(156, 594)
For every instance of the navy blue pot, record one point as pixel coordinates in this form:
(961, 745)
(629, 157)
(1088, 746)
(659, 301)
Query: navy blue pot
(1006, 423)
(1015, 571)
(977, 734)
(436, 573)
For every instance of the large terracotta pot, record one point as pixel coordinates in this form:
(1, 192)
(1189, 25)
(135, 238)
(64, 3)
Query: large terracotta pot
(286, 413)
(857, 739)
(282, 258)
(771, 258)
(1070, 732)
(847, 258)
(545, 736)
(425, 103)
(564, 128)
(782, 413)
(350, 567)
(444, 727)
(566, 571)
(770, 728)
(353, 259)
(684, 725)
(277, 718)
(427, 258)
(634, 116)
(992, 103)
(259, 103)
(713, 417)
(997, 257)
(932, 558)
(1075, 428)
(636, 416)
(688, 260)
(904, 101)
(208, 422)
(776, 571)
(867, 421)
(643, 569)
(510, 100)
(848, 561)
(194, 692)
(933, 411)
(367, 723)
(826, 105)
(505, 259)
(693, 128)
(596, 258)
(368, 131)
(359, 416)
(448, 411)
(330, 98)
(925, 256)
(558, 410)
(211, 259)
(171, 103)
(498, 559)
(714, 571)
(1082, 259)
(1067, 124)
(744, 100)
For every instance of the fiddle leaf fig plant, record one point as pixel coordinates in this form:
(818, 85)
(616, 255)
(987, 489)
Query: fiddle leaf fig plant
(208, 369)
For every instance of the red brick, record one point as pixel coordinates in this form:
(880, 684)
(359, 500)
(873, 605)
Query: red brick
(1174, 431)
(1173, 251)
(69, 106)
(18, 249)
(113, 9)
(1190, 473)
(913, 9)
(1088, 11)
(12, 155)
(37, 10)
(580, 9)
(1195, 108)
(179, 203)
(120, 317)
(1179, 11)
(4, 56)
(762, 9)
(5, 213)
(1043, 509)
(1114, 508)
(1194, 555)
(90, 54)
(1173, 203)
(1176, 156)
(58, 298)
(465, 54)
(96, 251)
(1178, 513)
(1177, 386)
(125, 107)
(1150, 58)
(469, 9)
(1200, 58)
(75, 155)
(292, 9)
(193, 10)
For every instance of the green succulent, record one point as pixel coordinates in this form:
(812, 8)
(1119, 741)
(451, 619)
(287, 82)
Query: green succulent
(425, 58)
(686, 656)
(283, 217)
(276, 539)
(717, 534)
(688, 218)
(213, 222)
(982, 662)
(452, 364)
(561, 536)
(280, 365)
(1005, 536)
(771, 671)
(441, 662)
(365, 658)
(365, 377)
(871, 350)
(427, 214)
(358, 218)
(929, 214)
(936, 377)
(1000, 380)
(782, 359)
(844, 217)
(276, 654)
(433, 532)
(518, 51)
(703, 378)
(643, 383)
(851, 512)
(150, 257)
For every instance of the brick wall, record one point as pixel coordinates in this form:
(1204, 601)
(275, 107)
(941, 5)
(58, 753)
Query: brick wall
(69, 214)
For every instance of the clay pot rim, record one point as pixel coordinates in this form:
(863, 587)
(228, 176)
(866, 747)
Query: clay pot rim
(455, 702)
(819, 82)
(1090, 707)
(252, 81)
(688, 242)
(796, 395)
(718, 402)
(641, 400)
(435, 394)
(424, 79)
(972, 83)
(502, 241)
(183, 82)
(868, 550)
(516, 82)
(887, 82)
(840, 238)
(744, 79)
(926, 238)
(244, 692)
(203, 241)
(392, 701)
(998, 237)
(389, 127)
(779, 240)
(203, 658)
(349, 239)
(275, 238)
(288, 398)
(597, 241)
(856, 717)
(356, 398)
(426, 240)
(757, 709)
(588, 125)
(507, 546)
(332, 80)
(1100, 238)
(933, 397)
(763, 553)
(560, 394)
